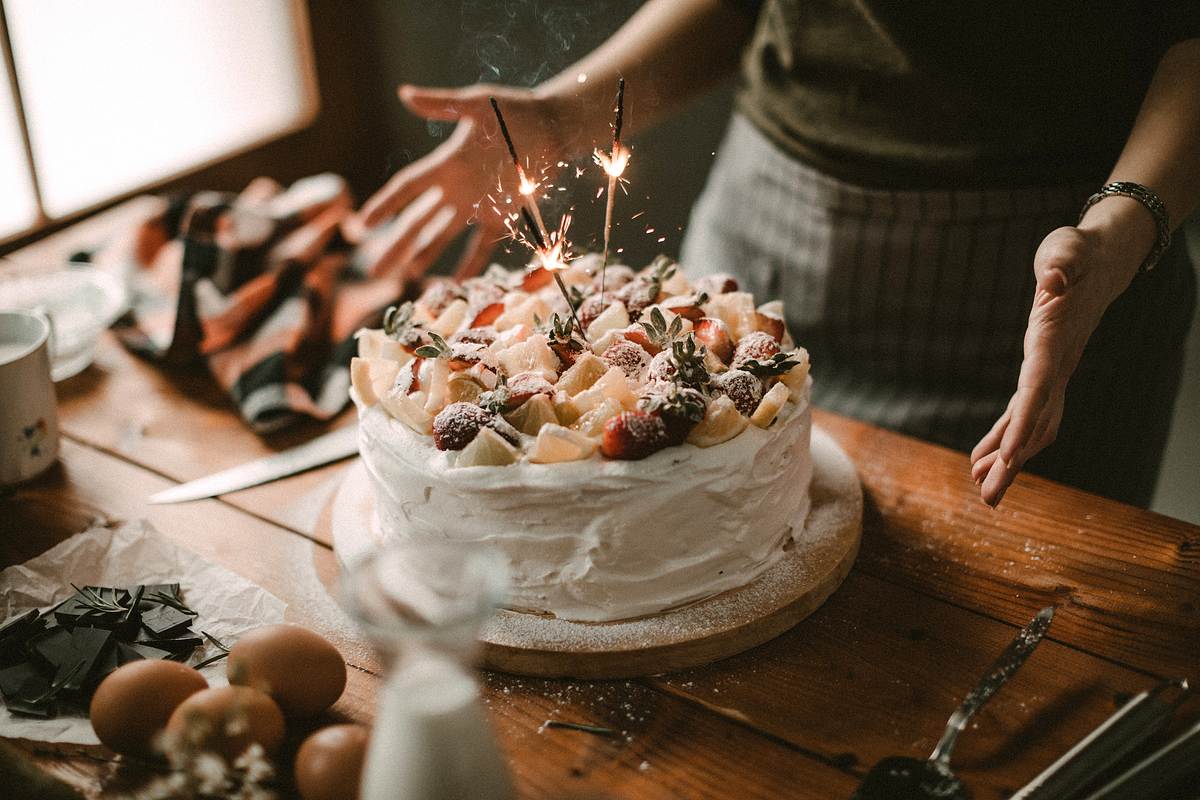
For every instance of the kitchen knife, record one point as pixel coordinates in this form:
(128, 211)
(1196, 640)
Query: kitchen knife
(332, 446)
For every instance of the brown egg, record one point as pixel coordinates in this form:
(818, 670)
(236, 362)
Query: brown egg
(227, 719)
(300, 669)
(329, 763)
(135, 701)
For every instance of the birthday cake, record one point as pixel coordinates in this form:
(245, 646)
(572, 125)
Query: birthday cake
(630, 448)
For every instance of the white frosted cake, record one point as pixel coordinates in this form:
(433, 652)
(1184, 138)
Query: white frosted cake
(658, 459)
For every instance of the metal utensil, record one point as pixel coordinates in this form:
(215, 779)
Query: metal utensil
(904, 778)
(328, 447)
(1162, 775)
(1128, 728)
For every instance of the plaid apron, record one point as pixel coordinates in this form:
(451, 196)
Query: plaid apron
(913, 305)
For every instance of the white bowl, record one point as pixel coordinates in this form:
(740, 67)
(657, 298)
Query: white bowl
(80, 300)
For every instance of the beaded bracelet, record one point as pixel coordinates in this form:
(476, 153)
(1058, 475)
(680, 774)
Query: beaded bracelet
(1153, 204)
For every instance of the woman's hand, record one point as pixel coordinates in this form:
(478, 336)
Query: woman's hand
(1080, 271)
(428, 203)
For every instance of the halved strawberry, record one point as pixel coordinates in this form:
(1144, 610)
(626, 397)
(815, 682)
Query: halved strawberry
(638, 295)
(464, 355)
(536, 278)
(525, 385)
(714, 334)
(458, 423)
(487, 315)
(632, 435)
(483, 336)
(637, 335)
(408, 380)
(720, 283)
(685, 305)
(769, 324)
(438, 294)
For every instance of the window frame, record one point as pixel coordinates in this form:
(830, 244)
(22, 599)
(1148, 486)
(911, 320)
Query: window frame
(44, 223)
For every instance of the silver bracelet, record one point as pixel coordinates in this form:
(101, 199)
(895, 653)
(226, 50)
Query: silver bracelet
(1146, 196)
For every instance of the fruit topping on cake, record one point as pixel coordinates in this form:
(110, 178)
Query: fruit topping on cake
(497, 371)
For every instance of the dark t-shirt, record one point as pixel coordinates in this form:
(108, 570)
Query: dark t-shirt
(935, 93)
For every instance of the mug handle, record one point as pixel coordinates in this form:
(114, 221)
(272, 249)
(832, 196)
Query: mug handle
(44, 313)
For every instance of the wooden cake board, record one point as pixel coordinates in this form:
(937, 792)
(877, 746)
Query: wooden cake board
(721, 626)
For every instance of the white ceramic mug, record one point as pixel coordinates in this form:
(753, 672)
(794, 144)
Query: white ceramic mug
(28, 416)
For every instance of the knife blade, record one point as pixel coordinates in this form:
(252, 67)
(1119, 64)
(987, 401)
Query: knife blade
(329, 447)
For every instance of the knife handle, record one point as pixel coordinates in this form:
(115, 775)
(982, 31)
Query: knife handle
(1160, 772)
(1121, 734)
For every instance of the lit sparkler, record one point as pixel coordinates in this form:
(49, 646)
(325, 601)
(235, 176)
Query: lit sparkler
(526, 187)
(552, 253)
(613, 164)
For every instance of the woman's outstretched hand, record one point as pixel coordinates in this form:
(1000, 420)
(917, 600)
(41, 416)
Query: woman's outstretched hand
(1080, 271)
(428, 203)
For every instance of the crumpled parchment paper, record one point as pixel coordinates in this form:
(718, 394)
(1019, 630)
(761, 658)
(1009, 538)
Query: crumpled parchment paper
(228, 605)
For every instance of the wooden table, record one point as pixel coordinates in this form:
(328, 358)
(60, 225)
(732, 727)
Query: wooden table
(940, 587)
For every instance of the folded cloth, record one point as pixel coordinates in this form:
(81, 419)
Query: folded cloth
(261, 285)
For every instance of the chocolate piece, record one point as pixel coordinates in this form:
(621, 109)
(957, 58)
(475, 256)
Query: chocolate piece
(145, 651)
(97, 606)
(52, 647)
(88, 646)
(15, 632)
(166, 622)
(27, 691)
(176, 644)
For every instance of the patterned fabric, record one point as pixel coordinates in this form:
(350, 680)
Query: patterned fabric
(260, 286)
(914, 305)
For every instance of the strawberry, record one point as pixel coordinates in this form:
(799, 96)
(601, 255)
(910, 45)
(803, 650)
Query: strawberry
(536, 278)
(464, 355)
(687, 306)
(483, 336)
(631, 358)
(438, 295)
(591, 308)
(632, 435)
(744, 389)
(662, 368)
(755, 346)
(398, 324)
(487, 315)
(523, 386)
(637, 335)
(638, 295)
(714, 334)
(560, 335)
(770, 325)
(458, 423)
(408, 380)
(679, 407)
(720, 283)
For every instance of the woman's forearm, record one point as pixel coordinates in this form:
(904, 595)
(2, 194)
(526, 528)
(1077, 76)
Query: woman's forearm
(668, 52)
(1162, 152)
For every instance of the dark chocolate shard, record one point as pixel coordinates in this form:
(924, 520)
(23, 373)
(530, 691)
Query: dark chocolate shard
(88, 646)
(22, 680)
(14, 634)
(149, 651)
(176, 644)
(166, 622)
(52, 647)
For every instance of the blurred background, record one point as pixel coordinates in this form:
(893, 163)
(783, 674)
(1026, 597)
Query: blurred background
(102, 101)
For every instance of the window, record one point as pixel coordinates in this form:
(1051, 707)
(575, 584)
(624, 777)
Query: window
(123, 94)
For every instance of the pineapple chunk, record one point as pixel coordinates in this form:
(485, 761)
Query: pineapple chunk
(451, 319)
(487, 449)
(613, 385)
(531, 415)
(565, 408)
(374, 343)
(770, 406)
(722, 421)
(677, 284)
(462, 387)
(592, 423)
(586, 370)
(435, 375)
(730, 309)
(612, 318)
(556, 443)
(372, 378)
(531, 355)
(409, 409)
(523, 313)
(796, 378)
